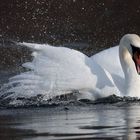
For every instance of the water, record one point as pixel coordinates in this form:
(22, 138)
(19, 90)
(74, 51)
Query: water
(87, 122)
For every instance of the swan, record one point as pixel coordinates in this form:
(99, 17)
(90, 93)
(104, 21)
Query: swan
(59, 70)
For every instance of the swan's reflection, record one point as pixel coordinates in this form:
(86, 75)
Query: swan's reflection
(93, 121)
(132, 117)
(118, 122)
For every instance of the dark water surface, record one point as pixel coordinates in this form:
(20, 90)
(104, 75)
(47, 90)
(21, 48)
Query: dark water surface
(102, 122)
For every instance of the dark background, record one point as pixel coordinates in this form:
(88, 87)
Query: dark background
(94, 24)
(98, 22)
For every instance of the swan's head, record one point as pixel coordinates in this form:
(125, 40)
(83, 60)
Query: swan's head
(130, 50)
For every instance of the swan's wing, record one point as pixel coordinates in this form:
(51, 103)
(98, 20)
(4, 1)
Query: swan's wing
(53, 69)
(109, 60)
(68, 64)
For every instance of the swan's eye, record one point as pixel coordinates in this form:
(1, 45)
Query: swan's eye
(136, 57)
(135, 49)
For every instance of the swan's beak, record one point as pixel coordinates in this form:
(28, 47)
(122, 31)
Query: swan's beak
(136, 57)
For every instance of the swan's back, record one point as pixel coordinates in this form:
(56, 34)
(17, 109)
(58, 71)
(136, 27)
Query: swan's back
(109, 60)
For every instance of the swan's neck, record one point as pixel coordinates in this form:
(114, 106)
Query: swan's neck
(132, 79)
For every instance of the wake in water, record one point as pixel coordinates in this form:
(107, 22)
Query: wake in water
(64, 100)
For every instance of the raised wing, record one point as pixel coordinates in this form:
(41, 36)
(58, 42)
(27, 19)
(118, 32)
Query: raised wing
(55, 71)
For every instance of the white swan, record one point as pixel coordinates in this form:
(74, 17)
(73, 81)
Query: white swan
(58, 70)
